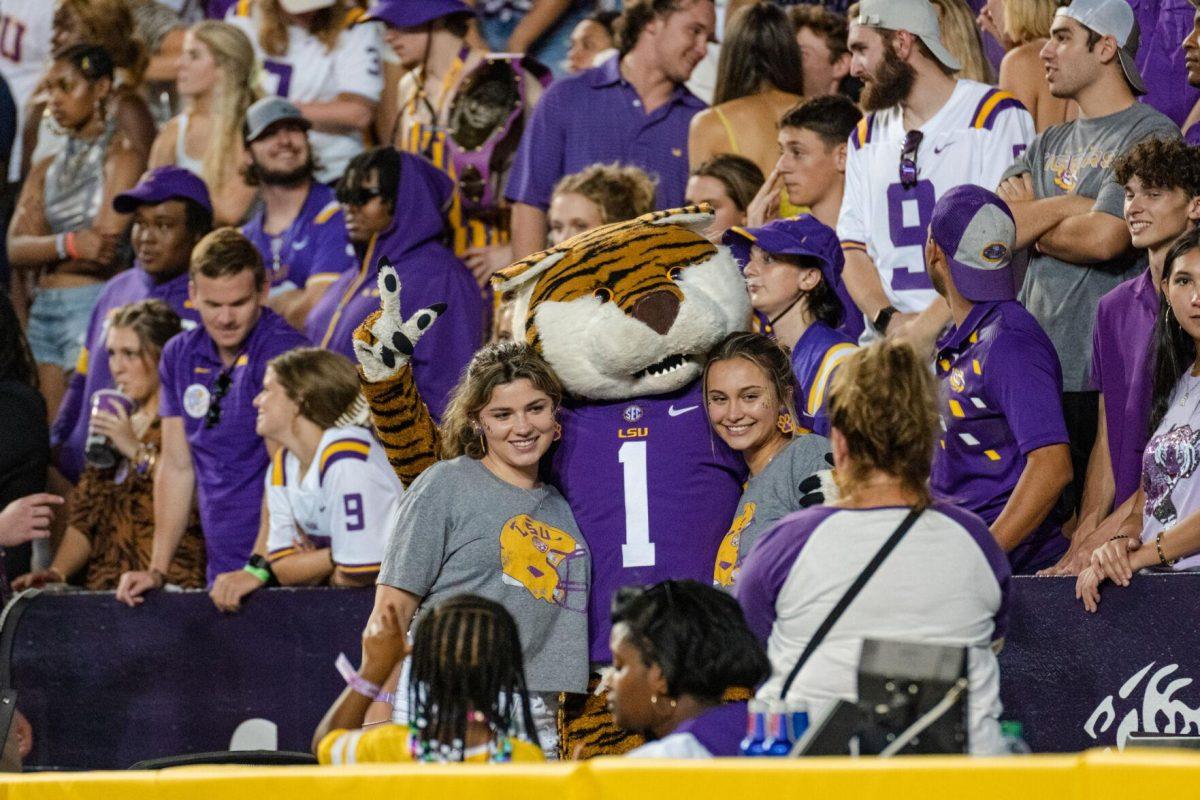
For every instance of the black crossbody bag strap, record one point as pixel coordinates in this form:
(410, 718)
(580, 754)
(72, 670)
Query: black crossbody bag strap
(849, 596)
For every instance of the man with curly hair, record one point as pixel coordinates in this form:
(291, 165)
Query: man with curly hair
(1161, 180)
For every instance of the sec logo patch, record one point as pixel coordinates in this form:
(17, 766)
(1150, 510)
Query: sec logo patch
(632, 413)
(196, 400)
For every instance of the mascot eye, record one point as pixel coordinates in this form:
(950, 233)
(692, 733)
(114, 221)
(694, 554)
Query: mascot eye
(602, 294)
(675, 273)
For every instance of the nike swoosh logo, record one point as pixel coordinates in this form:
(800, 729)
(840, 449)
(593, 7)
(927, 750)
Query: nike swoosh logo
(938, 150)
(304, 243)
(675, 412)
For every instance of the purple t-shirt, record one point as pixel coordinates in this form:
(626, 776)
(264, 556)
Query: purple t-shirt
(1164, 24)
(1192, 136)
(1001, 399)
(1122, 362)
(429, 273)
(69, 432)
(315, 245)
(719, 729)
(229, 457)
(596, 117)
(653, 490)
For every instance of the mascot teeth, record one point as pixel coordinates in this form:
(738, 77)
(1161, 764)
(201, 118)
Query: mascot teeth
(669, 364)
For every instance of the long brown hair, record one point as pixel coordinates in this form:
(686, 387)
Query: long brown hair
(327, 25)
(759, 50)
(494, 365)
(110, 24)
(881, 399)
(324, 384)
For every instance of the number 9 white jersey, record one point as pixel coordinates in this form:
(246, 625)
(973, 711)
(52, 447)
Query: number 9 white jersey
(348, 500)
(973, 138)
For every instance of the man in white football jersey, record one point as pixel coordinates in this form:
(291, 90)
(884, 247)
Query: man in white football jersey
(926, 133)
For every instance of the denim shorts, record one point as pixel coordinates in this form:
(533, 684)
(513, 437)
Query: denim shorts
(58, 321)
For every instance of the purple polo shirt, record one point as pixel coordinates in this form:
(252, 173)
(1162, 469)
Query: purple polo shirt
(596, 117)
(230, 459)
(653, 490)
(1001, 399)
(69, 432)
(1122, 364)
(1192, 136)
(1164, 24)
(315, 246)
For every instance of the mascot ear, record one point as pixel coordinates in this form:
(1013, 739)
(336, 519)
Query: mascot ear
(521, 273)
(695, 218)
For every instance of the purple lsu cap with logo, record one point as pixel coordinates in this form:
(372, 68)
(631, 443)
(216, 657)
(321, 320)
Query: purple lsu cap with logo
(161, 184)
(804, 235)
(976, 231)
(410, 13)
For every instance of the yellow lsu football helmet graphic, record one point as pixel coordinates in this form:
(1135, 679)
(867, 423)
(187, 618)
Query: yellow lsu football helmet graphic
(547, 561)
(726, 569)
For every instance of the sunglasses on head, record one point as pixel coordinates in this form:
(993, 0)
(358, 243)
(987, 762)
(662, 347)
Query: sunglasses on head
(220, 389)
(908, 159)
(357, 197)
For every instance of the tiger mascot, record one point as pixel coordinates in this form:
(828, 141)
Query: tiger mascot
(625, 314)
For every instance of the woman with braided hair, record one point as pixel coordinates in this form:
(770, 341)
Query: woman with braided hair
(467, 696)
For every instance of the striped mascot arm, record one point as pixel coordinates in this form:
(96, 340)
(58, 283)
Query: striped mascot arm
(383, 344)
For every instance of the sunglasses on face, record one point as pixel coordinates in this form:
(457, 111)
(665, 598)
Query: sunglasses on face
(908, 159)
(220, 389)
(357, 197)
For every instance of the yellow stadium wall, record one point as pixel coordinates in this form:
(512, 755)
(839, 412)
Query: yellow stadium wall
(1095, 775)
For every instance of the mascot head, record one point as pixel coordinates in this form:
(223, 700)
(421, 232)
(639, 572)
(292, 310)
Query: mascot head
(629, 309)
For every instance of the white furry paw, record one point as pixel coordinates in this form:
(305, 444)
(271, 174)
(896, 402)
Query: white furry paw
(818, 489)
(385, 341)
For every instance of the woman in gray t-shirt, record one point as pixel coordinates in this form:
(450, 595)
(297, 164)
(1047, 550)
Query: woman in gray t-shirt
(482, 522)
(748, 388)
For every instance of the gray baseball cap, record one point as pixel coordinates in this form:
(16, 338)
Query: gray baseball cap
(1111, 18)
(264, 113)
(918, 17)
(976, 231)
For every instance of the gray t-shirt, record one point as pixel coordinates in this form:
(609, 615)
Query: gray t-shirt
(1076, 157)
(768, 497)
(463, 530)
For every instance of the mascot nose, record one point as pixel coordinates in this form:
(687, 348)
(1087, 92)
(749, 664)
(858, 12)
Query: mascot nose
(658, 310)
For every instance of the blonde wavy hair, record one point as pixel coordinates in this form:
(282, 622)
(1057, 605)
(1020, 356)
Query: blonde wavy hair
(109, 24)
(882, 400)
(1029, 20)
(327, 24)
(961, 37)
(234, 55)
(620, 192)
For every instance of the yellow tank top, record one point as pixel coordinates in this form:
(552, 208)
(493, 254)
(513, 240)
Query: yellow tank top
(786, 209)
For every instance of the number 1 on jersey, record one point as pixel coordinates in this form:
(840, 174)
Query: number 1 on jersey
(638, 550)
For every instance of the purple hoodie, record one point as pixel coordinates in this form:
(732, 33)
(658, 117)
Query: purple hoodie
(429, 273)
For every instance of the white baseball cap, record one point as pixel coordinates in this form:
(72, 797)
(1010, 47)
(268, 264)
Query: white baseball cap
(1111, 18)
(304, 6)
(918, 17)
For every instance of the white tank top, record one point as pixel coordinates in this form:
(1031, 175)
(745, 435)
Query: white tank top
(182, 159)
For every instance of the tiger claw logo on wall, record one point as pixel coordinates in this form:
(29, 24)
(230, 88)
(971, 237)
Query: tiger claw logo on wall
(1158, 710)
(543, 558)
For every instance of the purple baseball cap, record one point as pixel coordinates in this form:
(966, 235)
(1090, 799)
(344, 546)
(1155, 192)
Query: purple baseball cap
(803, 235)
(976, 231)
(410, 13)
(161, 184)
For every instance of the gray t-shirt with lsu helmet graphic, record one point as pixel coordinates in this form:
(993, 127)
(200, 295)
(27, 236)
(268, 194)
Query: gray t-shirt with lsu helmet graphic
(462, 530)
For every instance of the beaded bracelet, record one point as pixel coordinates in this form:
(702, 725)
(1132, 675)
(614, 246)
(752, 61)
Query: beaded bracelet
(1162, 557)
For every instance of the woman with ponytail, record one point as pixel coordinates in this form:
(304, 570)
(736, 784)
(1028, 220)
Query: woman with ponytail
(216, 79)
(331, 495)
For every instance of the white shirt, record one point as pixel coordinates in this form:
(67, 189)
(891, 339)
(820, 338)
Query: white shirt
(24, 56)
(310, 73)
(973, 138)
(676, 745)
(347, 500)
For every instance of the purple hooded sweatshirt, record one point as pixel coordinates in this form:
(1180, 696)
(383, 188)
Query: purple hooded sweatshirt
(429, 273)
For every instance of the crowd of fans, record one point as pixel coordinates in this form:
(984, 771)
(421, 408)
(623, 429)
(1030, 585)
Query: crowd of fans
(968, 237)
